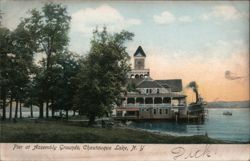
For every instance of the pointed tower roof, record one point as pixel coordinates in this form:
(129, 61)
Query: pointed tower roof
(139, 52)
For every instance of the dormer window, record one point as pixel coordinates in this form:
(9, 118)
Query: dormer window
(158, 90)
(148, 90)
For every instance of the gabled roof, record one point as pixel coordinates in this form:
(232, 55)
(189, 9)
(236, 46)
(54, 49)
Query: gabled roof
(149, 84)
(139, 52)
(174, 84)
(137, 81)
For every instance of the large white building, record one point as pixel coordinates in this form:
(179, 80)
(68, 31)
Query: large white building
(151, 99)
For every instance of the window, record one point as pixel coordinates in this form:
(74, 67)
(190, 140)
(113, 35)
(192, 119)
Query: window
(158, 100)
(158, 90)
(130, 100)
(154, 111)
(139, 100)
(166, 111)
(146, 90)
(148, 100)
(160, 111)
(150, 90)
(166, 100)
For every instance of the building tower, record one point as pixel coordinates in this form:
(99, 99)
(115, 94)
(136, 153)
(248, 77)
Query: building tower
(139, 59)
(139, 70)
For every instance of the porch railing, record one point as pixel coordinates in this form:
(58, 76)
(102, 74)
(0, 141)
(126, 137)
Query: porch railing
(165, 105)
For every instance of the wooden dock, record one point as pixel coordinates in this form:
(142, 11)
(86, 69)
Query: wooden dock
(188, 118)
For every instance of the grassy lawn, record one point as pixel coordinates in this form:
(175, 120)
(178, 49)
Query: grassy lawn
(44, 131)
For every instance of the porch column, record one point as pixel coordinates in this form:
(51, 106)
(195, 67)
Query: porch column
(171, 103)
(153, 98)
(126, 102)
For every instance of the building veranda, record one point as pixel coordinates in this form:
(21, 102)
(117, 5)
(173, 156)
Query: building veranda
(149, 98)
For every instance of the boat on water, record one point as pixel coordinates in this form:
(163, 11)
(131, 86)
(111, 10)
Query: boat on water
(227, 113)
(197, 106)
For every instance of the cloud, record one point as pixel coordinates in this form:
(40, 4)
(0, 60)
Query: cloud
(222, 49)
(167, 17)
(185, 19)
(223, 12)
(85, 20)
(164, 18)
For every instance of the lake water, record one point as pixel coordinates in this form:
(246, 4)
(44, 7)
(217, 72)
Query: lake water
(224, 127)
(216, 125)
(26, 112)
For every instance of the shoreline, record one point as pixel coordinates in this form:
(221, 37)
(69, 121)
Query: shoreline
(37, 127)
(176, 135)
(45, 131)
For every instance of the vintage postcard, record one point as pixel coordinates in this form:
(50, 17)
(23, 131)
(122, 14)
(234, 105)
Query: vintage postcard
(124, 80)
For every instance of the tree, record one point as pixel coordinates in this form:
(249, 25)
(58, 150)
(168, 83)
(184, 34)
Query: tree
(194, 86)
(16, 59)
(38, 96)
(103, 74)
(23, 48)
(131, 87)
(64, 82)
(5, 66)
(1, 17)
(49, 30)
(30, 93)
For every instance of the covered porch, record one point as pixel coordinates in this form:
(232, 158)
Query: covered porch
(155, 100)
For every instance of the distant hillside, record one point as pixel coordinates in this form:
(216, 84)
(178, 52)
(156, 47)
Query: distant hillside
(233, 104)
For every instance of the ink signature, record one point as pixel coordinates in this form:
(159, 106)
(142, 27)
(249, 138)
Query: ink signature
(182, 153)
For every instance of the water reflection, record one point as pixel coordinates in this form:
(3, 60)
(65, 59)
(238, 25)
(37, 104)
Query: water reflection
(231, 128)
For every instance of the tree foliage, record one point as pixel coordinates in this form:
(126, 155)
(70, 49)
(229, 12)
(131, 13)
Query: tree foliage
(63, 87)
(16, 63)
(103, 74)
(93, 84)
(49, 29)
(5, 66)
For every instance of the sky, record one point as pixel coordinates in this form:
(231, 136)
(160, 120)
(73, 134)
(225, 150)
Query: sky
(202, 41)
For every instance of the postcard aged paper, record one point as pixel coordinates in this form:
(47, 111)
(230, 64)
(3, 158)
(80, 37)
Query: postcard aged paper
(124, 80)
(123, 152)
